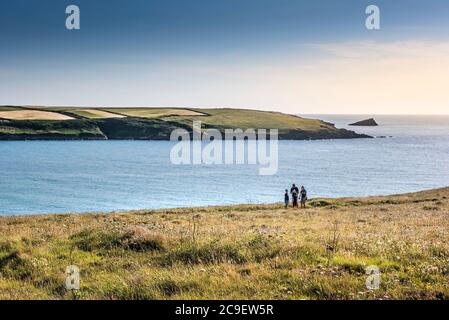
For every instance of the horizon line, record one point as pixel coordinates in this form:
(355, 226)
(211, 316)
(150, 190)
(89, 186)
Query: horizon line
(236, 108)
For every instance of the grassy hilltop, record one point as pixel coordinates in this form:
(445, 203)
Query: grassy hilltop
(241, 252)
(71, 123)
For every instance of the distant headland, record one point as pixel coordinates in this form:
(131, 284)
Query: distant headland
(76, 123)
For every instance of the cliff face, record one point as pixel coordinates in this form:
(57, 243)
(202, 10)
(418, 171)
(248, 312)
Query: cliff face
(160, 127)
(136, 129)
(49, 130)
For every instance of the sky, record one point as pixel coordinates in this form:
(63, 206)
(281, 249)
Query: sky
(294, 56)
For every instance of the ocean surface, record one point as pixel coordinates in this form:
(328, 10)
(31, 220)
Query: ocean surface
(93, 176)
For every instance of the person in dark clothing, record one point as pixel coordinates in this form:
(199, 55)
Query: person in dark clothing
(295, 192)
(303, 195)
(286, 198)
(294, 188)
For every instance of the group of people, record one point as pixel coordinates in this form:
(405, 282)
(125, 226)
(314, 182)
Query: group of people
(296, 193)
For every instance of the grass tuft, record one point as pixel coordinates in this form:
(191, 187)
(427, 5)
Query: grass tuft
(89, 240)
(193, 253)
(14, 265)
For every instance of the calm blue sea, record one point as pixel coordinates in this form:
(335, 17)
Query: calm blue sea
(80, 176)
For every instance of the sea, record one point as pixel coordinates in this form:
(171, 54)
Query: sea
(408, 153)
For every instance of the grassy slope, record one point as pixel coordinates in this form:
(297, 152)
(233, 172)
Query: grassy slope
(157, 123)
(247, 251)
(259, 119)
(229, 118)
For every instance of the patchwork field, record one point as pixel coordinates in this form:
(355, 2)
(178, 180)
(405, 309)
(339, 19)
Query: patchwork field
(154, 112)
(95, 114)
(32, 115)
(235, 252)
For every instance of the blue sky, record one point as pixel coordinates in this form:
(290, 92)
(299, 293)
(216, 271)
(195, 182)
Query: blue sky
(285, 55)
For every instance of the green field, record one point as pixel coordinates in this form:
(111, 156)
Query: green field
(94, 113)
(5, 108)
(155, 112)
(244, 119)
(235, 252)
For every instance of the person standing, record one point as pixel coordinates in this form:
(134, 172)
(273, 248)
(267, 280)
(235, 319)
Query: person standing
(303, 195)
(294, 188)
(294, 191)
(286, 198)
